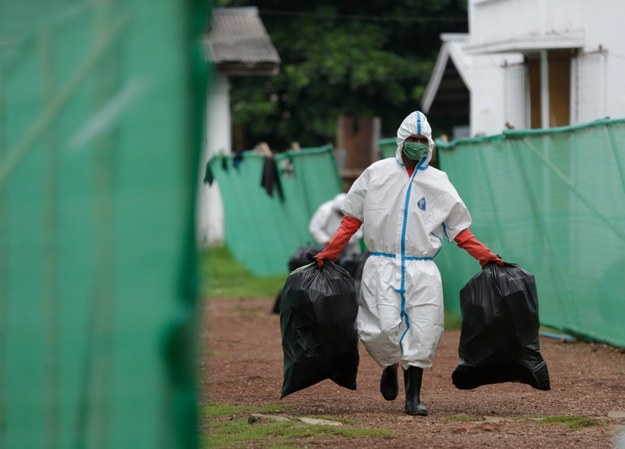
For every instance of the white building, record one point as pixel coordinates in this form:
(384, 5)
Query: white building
(237, 45)
(532, 64)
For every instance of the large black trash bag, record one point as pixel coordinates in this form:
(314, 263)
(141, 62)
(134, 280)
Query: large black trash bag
(318, 310)
(354, 264)
(499, 340)
(300, 257)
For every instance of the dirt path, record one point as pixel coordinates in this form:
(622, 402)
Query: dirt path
(242, 365)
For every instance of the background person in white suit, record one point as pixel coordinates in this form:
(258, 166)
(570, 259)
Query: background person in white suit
(326, 221)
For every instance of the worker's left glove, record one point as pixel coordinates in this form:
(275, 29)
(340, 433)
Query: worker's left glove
(467, 241)
(340, 239)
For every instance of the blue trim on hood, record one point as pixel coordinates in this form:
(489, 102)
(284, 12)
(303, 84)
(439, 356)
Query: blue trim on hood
(418, 122)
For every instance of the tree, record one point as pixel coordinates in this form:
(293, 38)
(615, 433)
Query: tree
(361, 58)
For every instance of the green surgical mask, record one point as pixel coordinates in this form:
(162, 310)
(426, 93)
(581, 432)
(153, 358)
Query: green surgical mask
(415, 150)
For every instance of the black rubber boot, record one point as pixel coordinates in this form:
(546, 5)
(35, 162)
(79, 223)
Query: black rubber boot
(412, 381)
(389, 386)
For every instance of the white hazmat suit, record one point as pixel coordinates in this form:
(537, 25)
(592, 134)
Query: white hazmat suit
(405, 219)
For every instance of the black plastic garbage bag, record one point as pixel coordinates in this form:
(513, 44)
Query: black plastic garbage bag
(499, 340)
(354, 264)
(301, 256)
(318, 322)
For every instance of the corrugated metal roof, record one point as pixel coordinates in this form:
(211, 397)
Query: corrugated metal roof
(238, 37)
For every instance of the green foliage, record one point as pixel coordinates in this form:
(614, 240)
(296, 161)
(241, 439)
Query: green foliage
(361, 58)
(224, 277)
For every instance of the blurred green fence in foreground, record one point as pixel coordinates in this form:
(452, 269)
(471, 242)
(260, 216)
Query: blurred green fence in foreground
(262, 230)
(101, 106)
(552, 201)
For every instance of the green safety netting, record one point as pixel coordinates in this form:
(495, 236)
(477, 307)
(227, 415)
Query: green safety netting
(100, 127)
(551, 201)
(388, 147)
(264, 231)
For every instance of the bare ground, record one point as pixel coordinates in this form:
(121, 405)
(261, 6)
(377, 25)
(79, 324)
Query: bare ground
(242, 364)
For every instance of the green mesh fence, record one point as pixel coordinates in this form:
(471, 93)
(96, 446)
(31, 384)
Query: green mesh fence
(388, 147)
(264, 231)
(100, 123)
(551, 201)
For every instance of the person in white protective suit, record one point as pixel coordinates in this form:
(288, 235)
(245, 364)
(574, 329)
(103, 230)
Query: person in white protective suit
(327, 219)
(406, 209)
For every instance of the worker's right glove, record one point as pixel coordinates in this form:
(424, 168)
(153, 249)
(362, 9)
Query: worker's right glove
(340, 239)
(467, 241)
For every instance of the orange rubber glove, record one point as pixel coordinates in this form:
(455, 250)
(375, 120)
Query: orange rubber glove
(340, 239)
(467, 241)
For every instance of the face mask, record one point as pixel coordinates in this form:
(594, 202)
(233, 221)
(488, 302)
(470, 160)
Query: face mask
(415, 150)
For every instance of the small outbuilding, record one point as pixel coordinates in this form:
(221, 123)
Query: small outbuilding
(237, 44)
(531, 64)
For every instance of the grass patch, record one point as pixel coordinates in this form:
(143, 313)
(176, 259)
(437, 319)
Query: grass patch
(222, 276)
(452, 322)
(463, 418)
(574, 422)
(234, 433)
(218, 410)
(227, 430)
(344, 421)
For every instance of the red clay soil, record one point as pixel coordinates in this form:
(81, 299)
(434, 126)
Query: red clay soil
(242, 364)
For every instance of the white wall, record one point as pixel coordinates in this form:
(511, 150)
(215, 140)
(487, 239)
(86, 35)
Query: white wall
(495, 20)
(484, 76)
(210, 227)
(605, 27)
(487, 102)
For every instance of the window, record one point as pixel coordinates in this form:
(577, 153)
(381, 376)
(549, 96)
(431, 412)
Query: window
(558, 89)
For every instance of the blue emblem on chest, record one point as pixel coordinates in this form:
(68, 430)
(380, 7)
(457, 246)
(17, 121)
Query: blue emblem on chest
(421, 203)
